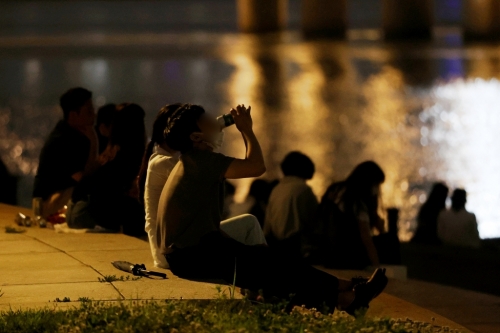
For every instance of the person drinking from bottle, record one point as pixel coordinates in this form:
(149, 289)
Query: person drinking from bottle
(158, 162)
(189, 217)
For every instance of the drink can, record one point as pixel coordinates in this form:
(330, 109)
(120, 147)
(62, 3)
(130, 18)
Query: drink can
(225, 120)
(20, 217)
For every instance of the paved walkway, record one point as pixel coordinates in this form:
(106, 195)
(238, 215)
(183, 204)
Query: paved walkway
(40, 265)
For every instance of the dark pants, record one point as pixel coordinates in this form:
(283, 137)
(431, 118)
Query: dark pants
(257, 268)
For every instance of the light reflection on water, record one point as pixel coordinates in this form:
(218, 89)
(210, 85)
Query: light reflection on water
(424, 113)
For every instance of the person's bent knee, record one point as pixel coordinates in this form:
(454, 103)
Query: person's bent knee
(249, 219)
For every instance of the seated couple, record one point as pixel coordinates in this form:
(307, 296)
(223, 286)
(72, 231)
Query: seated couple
(188, 230)
(98, 185)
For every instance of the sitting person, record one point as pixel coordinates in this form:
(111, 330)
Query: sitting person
(348, 214)
(104, 120)
(69, 152)
(189, 216)
(108, 197)
(456, 226)
(158, 162)
(291, 211)
(427, 217)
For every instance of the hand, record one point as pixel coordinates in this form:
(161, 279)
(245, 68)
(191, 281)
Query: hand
(108, 154)
(242, 118)
(89, 132)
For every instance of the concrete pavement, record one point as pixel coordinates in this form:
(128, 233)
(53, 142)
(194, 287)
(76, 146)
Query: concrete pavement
(39, 265)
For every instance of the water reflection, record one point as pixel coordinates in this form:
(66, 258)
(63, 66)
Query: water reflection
(465, 117)
(422, 113)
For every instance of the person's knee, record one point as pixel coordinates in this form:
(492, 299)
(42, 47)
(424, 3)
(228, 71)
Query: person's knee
(250, 220)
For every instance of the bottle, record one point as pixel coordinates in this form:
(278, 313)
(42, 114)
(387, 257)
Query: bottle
(37, 212)
(225, 120)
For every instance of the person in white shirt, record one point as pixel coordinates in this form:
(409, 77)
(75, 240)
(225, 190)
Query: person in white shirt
(292, 207)
(159, 160)
(456, 226)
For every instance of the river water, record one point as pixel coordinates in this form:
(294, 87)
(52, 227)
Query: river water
(424, 111)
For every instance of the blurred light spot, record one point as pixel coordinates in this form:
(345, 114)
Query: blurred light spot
(404, 186)
(422, 198)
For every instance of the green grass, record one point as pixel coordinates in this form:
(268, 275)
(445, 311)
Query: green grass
(12, 230)
(113, 278)
(196, 316)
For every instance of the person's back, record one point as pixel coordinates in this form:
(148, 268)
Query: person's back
(160, 165)
(193, 194)
(292, 206)
(348, 215)
(340, 232)
(427, 217)
(457, 226)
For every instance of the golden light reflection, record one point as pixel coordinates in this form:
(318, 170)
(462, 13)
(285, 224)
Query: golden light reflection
(242, 88)
(309, 120)
(390, 142)
(319, 109)
(339, 102)
(465, 118)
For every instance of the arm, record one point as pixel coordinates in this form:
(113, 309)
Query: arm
(95, 163)
(253, 165)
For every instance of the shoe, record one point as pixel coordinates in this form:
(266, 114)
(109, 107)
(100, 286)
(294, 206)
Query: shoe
(365, 292)
(357, 280)
(361, 280)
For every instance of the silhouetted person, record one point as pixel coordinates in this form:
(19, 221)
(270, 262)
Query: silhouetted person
(104, 120)
(426, 232)
(291, 211)
(69, 152)
(8, 185)
(456, 226)
(347, 216)
(259, 193)
(109, 197)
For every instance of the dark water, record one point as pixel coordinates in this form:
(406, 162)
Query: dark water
(424, 112)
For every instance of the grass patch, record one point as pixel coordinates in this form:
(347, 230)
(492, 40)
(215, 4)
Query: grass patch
(64, 300)
(84, 299)
(196, 316)
(113, 278)
(12, 230)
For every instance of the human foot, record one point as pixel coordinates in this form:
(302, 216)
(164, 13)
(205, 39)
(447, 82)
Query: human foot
(366, 291)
